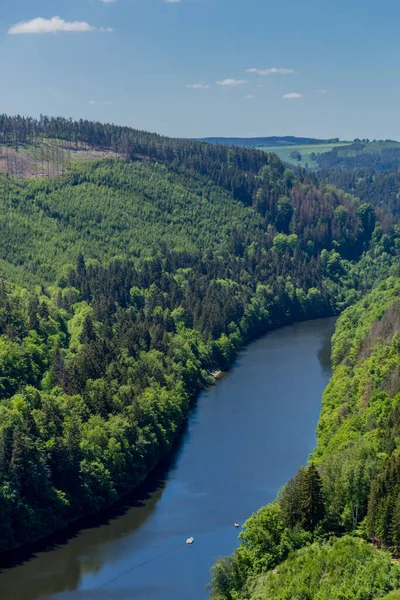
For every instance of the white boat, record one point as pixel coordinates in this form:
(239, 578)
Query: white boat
(190, 540)
(236, 524)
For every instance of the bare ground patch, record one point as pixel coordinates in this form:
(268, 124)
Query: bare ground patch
(46, 159)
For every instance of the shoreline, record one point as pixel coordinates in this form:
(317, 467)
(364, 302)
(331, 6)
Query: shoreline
(24, 551)
(217, 374)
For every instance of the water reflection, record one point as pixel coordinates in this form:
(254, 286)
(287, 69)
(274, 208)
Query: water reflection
(324, 353)
(245, 438)
(61, 562)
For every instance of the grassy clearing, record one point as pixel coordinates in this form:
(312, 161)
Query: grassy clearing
(305, 150)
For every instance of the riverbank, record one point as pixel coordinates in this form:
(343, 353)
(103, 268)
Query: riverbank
(350, 485)
(228, 348)
(206, 486)
(216, 373)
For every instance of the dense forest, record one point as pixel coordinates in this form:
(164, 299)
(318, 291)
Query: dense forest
(381, 188)
(380, 156)
(313, 541)
(19, 130)
(126, 280)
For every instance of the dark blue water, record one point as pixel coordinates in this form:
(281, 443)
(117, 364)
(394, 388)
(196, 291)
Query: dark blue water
(246, 437)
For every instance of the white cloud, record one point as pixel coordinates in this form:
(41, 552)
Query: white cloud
(108, 1)
(198, 86)
(52, 25)
(232, 82)
(100, 103)
(249, 97)
(172, 1)
(271, 71)
(292, 96)
(321, 91)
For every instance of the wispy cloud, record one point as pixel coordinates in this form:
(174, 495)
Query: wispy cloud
(172, 1)
(198, 86)
(100, 103)
(232, 82)
(249, 97)
(321, 91)
(52, 25)
(108, 1)
(271, 71)
(292, 96)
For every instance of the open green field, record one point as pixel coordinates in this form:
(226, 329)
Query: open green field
(306, 150)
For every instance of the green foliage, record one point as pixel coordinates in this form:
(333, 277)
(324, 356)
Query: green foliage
(352, 485)
(357, 448)
(312, 505)
(301, 501)
(295, 155)
(266, 542)
(379, 155)
(379, 188)
(126, 281)
(393, 596)
(342, 568)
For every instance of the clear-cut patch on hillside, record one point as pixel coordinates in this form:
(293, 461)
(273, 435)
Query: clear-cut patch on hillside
(49, 158)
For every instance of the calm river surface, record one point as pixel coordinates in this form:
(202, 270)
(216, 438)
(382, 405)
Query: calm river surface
(245, 438)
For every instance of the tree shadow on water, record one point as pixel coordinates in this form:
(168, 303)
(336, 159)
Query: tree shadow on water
(124, 517)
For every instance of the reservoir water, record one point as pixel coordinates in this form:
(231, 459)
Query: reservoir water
(245, 438)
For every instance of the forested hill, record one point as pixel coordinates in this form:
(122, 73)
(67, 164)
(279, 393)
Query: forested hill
(18, 130)
(126, 280)
(319, 540)
(382, 188)
(255, 142)
(378, 155)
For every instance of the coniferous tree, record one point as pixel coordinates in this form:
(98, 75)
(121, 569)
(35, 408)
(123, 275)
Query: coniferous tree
(88, 332)
(291, 499)
(59, 369)
(312, 500)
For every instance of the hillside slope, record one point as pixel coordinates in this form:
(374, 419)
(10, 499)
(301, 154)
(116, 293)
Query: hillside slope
(126, 281)
(294, 548)
(114, 208)
(379, 155)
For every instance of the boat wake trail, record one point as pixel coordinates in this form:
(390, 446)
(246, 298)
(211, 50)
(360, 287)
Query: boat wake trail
(138, 566)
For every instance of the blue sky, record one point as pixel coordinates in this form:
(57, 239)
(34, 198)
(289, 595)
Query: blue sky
(318, 68)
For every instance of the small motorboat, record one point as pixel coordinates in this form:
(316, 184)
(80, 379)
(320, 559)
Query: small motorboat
(236, 524)
(190, 540)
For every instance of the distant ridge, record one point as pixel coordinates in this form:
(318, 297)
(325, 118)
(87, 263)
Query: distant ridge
(265, 141)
